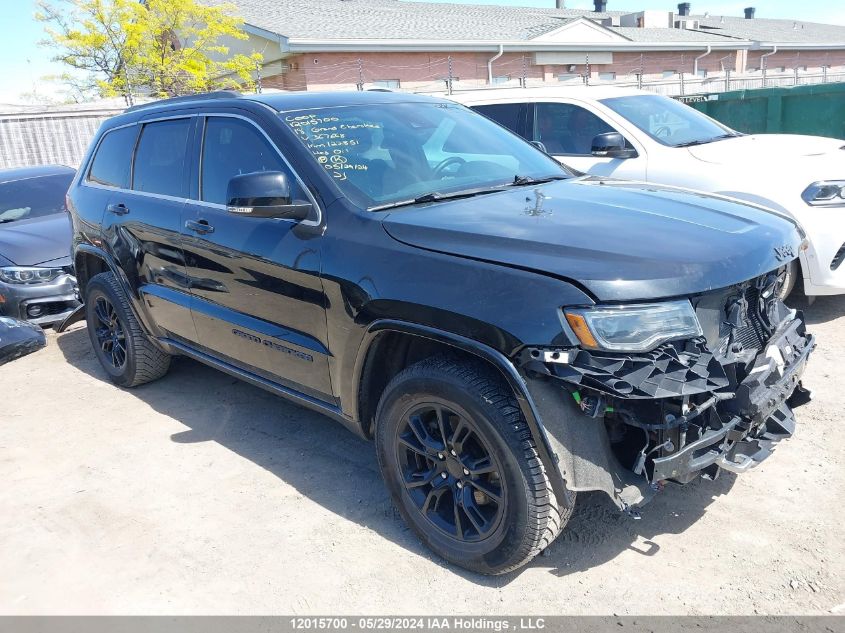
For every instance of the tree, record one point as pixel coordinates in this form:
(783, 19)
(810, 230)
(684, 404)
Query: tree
(180, 48)
(92, 37)
(159, 47)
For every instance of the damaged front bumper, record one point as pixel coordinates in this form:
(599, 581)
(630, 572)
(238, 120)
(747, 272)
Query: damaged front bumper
(762, 413)
(673, 414)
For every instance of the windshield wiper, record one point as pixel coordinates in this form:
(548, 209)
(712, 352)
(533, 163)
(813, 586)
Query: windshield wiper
(530, 180)
(705, 141)
(436, 196)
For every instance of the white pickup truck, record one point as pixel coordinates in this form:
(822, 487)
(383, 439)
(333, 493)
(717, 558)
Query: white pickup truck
(637, 135)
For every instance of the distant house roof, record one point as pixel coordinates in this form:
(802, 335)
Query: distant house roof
(768, 30)
(395, 19)
(669, 35)
(350, 20)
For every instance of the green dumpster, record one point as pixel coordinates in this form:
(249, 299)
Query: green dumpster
(817, 109)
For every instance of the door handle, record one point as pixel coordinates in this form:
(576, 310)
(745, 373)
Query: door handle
(199, 226)
(118, 209)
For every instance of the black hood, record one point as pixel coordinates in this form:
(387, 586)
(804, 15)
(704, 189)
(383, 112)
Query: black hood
(36, 241)
(621, 240)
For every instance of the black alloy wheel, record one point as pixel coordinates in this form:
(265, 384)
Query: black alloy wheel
(462, 467)
(127, 354)
(450, 472)
(110, 333)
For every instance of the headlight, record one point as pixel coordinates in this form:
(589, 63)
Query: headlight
(28, 275)
(633, 328)
(825, 193)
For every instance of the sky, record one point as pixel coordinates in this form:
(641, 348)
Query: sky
(24, 63)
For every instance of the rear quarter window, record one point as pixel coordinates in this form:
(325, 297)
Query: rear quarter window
(112, 161)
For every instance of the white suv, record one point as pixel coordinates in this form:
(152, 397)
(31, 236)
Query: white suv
(638, 135)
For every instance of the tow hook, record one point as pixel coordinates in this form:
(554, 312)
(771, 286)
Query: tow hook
(799, 396)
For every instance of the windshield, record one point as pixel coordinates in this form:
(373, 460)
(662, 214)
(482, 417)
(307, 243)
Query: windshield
(668, 121)
(387, 154)
(33, 197)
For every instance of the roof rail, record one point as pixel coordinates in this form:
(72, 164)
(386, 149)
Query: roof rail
(219, 94)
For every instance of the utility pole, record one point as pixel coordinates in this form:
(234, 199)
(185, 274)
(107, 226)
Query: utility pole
(449, 79)
(360, 83)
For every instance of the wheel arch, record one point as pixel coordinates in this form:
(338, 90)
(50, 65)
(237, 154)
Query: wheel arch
(88, 260)
(389, 346)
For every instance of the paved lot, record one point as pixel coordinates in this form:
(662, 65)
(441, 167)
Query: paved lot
(200, 494)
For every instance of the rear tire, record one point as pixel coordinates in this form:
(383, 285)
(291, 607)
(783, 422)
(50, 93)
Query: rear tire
(128, 356)
(488, 506)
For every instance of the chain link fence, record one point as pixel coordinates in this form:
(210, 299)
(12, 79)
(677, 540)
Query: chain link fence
(60, 134)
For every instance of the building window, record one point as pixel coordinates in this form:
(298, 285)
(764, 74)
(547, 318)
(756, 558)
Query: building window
(501, 80)
(668, 74)
(607, 76)
(386, 83)
(701, 73)
(569, 77)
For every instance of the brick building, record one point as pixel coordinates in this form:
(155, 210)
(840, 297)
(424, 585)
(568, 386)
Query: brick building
(331, 44)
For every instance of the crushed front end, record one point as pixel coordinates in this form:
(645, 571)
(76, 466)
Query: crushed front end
(686, 407)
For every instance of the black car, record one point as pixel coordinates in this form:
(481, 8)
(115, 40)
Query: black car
(36, 273)
(507, 333)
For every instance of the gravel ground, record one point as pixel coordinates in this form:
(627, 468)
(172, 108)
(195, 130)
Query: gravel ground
(199, 494)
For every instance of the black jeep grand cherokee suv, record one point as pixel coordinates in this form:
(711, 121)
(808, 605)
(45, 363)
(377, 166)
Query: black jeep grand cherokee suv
(508, 333)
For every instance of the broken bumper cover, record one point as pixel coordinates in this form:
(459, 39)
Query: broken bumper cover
(733, 447)
(763, 412)
(743, 424)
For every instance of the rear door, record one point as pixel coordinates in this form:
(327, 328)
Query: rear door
(258, 299)
(142, 224)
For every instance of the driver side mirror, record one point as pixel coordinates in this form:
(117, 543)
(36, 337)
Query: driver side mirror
(264, 194)
(612, 145)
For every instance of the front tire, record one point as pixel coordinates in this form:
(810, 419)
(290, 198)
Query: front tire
(790, 277)
(462, 467)
(124, 351)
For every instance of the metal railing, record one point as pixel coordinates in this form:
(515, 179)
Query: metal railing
(681, 84)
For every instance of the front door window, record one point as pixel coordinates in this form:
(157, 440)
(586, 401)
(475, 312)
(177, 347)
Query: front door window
(566, 129)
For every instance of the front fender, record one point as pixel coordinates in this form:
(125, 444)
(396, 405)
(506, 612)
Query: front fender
(489, 355)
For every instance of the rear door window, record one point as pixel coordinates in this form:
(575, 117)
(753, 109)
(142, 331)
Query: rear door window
(111, 163)
(161, 156)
